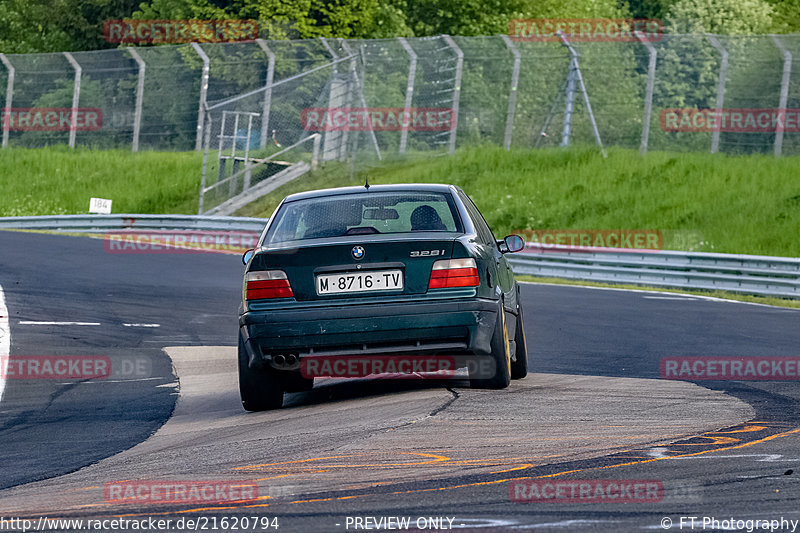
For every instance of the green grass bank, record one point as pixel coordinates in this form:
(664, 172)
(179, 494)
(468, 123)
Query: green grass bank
(732, 204)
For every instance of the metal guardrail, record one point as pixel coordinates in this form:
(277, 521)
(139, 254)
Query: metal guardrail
(100, 223)
(748, 274)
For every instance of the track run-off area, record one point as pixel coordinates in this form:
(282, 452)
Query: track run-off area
(350, 453)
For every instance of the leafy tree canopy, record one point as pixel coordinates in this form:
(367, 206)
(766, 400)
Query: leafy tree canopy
(729, 17)
(70, 25)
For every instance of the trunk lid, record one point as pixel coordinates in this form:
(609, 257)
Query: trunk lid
(411, 257)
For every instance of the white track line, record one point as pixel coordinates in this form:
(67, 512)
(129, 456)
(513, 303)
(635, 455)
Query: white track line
(5, 342)
(670, 298)
(136, 325)
(45, 323)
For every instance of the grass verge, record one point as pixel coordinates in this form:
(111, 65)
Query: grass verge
(702, 202)
(59, 181)
(719, 203)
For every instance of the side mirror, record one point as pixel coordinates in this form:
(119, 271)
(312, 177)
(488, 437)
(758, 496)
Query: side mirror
(514, 243)
(247, 256)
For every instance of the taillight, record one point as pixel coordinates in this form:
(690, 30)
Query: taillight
(454, 273)
(263, 284)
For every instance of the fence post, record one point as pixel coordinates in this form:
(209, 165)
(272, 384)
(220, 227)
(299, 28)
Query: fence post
(723, 74)
(648, 97)
(333, 138)
(351, 84)
(456, 89)
(512, 95)
(315, 151)
(569, 100)
(203, 179)
(76, 93)
(332, 52)
(267, 91)
(575, 72)
(360, 90)
(412, 76)
(203, 94)
(9, 98)
(787, 73)
(137, 114)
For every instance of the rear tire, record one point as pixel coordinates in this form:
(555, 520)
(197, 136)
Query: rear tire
(519, 367)
(501, 355)
(260, 390)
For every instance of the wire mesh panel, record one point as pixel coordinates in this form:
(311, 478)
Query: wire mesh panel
(615, 76)
(41, 81)
(540, 102)
(108, 83)
(383, 70)
(686, 79)
(171, 97)
(485, 89)
(746, 77)
(435, 87)
(232, 128)
(753, 83)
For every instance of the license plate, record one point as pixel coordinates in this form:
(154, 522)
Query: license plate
(374, 280)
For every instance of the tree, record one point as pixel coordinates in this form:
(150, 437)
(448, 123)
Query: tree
(727, 17)
(650, 9)
(57, 25)
(490, 17)
(786, 17)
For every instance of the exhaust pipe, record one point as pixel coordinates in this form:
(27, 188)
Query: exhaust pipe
(279, 360)
(291, 359)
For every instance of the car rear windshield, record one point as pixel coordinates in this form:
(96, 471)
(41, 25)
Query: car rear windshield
(364, 213)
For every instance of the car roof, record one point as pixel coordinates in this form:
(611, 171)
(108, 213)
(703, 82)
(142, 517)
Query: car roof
(398, 187)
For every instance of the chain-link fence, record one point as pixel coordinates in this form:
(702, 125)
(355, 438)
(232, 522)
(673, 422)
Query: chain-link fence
(480, 90)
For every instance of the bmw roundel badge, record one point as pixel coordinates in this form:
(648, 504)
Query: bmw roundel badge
(358, 252)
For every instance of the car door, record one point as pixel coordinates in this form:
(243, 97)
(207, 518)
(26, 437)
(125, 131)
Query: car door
(502, 275)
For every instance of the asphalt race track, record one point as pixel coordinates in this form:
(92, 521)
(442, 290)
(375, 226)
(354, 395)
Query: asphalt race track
(348, 454)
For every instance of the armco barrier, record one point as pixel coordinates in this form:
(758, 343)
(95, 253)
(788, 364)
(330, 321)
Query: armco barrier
(749, 274)
(101, 223)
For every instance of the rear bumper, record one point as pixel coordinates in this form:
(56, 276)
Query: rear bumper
(457, 326)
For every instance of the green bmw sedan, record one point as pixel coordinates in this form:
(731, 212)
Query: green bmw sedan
(377, 271)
